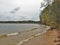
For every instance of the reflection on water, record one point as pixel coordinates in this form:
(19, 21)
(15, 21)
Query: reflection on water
(7, 28)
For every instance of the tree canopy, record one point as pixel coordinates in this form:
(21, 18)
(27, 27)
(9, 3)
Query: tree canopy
(51, 14)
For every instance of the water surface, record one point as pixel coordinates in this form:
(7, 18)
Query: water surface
(13, 27)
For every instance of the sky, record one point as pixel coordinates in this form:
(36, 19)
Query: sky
(19, 10)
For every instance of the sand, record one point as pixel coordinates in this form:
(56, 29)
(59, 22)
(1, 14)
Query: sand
(37, 36)
(25, 35)
(47, 38)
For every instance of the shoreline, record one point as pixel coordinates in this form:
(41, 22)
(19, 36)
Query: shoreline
(19, 37)
(32, 37)
(16, 33)
(47, 38)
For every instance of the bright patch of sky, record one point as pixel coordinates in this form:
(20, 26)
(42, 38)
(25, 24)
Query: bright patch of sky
(14, 10)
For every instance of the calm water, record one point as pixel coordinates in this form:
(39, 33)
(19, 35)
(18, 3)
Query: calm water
(8, 28)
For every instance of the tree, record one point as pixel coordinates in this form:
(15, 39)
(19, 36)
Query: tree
(51, 14)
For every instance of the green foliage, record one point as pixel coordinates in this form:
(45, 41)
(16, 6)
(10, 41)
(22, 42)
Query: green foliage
(49, 16)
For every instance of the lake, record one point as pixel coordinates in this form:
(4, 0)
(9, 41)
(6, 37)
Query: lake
(13, 27)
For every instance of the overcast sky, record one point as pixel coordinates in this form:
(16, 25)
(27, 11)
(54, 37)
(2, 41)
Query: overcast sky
(20, 10)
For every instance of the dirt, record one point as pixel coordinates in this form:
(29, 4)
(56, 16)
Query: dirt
(48, 38)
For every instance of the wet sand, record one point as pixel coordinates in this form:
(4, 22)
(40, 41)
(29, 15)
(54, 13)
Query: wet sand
(15, 39)
(48, 38)
(27, 36)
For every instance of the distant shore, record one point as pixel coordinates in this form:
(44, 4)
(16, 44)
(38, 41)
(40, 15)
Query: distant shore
(19, 21)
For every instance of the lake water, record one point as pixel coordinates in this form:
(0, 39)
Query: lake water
(13, 27)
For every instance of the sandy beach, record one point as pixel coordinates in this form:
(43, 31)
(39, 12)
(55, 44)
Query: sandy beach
(32, 37)
(47, 38)
(36, 36)
(23, 36)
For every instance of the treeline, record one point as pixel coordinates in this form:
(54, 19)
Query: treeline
(51, 15)
(19, 21)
